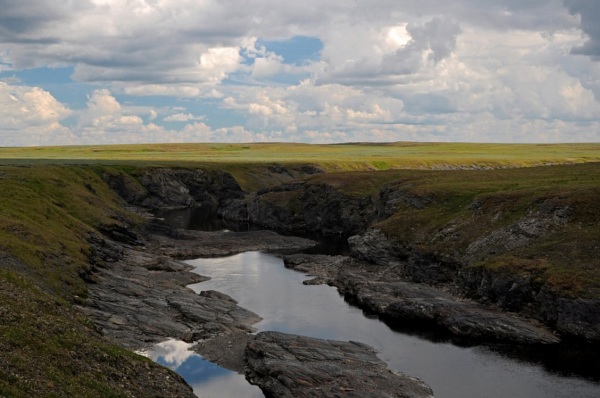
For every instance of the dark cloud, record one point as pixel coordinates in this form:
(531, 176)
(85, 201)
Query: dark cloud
(589, 10)
(19, 18)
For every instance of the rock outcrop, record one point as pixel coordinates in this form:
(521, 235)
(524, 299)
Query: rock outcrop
(287, 366)
(303, 209)
(163, 188)
(138, 295)
(519, 291)
(382, 290)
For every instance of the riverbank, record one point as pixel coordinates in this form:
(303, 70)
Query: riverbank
(139, 298)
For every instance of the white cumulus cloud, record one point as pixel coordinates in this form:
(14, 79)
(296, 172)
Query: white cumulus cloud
(497, 70)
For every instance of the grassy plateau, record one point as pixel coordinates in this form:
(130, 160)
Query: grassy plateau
(354, 156)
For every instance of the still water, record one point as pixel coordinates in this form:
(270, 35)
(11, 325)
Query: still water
(207, 379)
(260, 283)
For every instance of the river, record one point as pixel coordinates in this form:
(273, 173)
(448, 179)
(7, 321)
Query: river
(260, 283)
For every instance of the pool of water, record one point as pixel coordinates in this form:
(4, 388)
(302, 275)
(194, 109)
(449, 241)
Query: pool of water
(207, 379)
(260, 283)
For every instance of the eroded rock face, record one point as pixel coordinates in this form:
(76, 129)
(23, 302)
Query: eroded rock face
(511, 291)
(508, 290)
(284, 365)
(374, 247)
(160, 189)
(575, 317)
(302, 209)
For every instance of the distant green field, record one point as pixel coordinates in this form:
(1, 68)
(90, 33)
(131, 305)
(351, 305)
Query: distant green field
(357, 156)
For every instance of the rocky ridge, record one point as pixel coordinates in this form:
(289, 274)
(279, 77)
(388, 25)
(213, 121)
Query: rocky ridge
(508, 291)
(382, 290)
(287, 366)
(138, 295)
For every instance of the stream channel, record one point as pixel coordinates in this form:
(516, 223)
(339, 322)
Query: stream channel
(260, 283)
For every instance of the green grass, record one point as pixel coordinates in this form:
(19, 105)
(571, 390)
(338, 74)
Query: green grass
(246, 161)
(46, 215)
(360, 156)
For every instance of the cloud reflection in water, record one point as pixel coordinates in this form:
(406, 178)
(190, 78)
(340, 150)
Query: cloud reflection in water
(207, 379)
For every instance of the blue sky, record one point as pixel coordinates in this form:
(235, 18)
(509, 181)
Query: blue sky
(133, 71)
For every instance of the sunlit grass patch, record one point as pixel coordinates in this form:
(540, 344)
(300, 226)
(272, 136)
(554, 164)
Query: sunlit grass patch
(358, 156)
(46, 215)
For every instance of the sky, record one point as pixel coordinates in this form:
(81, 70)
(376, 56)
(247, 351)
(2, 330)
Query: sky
(79, 72)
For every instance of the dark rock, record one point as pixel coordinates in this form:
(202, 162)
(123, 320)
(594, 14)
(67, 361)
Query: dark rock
(373, 246)
(103, 250)
(310, 169)
(121, 234)
(139, 295)
(511, 291)
(163, 188)
(571, 316)
(525, 292)
(126, 186)
(303, 209)
(278, 169)
(429, 268)
(383, 292)
(392, 197)
(284, 365)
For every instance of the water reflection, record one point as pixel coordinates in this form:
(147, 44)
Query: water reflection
(260, 283)
(207, 379)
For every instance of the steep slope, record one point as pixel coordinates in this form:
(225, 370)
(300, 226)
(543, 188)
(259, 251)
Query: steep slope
(49, 218)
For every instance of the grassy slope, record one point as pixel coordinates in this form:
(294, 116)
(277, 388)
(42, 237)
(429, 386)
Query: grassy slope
(47, 348)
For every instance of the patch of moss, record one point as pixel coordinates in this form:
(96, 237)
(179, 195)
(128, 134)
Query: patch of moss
(48, 350)
(46, 216)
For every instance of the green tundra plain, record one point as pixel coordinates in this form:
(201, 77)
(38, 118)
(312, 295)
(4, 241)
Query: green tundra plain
(53, 198)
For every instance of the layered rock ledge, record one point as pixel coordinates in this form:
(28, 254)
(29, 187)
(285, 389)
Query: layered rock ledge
(289, 366)
(383, 291)
(138, 294)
